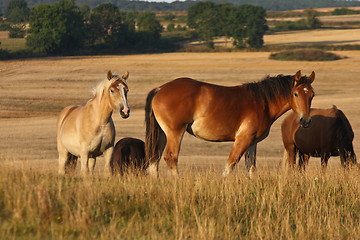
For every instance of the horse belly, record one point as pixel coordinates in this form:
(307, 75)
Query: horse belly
(204, 129)
(71, 143)
(313, 144)
(100, 142)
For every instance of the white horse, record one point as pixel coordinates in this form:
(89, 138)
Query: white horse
(87, 130)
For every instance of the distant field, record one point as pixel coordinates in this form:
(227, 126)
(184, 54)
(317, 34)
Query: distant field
(12, 43)
(336, 36)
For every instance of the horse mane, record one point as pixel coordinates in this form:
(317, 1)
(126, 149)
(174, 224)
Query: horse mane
(102, 85)
(271, 87)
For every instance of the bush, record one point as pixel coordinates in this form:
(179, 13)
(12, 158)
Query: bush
(344, 11)
(289, 26)
(5, 27)
(17, 31)
(304, 55)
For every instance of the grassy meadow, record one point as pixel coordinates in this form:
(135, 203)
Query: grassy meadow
(41, 205)
(36, 203)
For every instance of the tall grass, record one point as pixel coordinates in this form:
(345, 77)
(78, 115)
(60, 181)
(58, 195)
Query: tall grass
(40, 204)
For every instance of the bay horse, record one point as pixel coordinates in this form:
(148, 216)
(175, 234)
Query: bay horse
(330, 134)
(87, 130)
(243, 114)
(129, 155)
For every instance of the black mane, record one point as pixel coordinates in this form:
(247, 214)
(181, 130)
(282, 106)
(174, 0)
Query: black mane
(271, 87)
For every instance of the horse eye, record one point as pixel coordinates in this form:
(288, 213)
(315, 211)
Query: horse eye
(296, 95)
(112, 90)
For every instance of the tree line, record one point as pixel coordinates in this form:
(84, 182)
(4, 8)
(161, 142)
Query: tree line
(64, 28)
(245, 24)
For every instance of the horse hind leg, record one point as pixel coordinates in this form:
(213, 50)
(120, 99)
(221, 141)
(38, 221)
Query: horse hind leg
(92, 162)
(71, 163)
(153, 163)
(324, 162)
(172, 150)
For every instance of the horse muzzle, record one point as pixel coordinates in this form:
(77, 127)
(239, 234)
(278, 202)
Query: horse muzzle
(305, 122)
(124, 113)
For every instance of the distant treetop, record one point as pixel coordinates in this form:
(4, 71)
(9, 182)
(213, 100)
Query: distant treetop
(272, 5)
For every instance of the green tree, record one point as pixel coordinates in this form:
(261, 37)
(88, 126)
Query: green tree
(17, 31)
(85, 11)
(170, 27)
(17, 11)
(203, 17)
(56, 28)
(129, 19)
(248, 26)
(107, 27)
(148, 23)
(312, 21)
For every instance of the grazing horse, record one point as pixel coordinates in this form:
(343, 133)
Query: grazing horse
(243, 114)
(129, 154)
(87, 131)
(330, 134)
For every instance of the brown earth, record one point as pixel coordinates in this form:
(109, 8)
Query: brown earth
(33, 91)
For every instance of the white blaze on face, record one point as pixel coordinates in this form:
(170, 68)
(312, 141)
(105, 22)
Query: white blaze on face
(124, 100)
(306, 90)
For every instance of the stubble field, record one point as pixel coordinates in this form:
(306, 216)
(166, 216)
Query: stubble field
(199, 204)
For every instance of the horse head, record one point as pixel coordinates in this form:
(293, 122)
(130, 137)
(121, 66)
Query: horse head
(301, 97)
(118, 93)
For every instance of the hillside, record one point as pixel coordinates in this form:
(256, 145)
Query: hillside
(272, 5)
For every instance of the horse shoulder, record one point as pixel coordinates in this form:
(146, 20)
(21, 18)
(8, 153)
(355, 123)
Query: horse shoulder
(289, 127)
(65, 113)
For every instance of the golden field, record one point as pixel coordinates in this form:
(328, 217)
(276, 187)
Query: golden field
(37, 203)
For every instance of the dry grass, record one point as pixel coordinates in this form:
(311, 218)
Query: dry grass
(36, 203)
(338, 36)
(200, 206)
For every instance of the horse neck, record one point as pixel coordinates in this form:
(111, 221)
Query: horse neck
(278, 107)
(102, 109)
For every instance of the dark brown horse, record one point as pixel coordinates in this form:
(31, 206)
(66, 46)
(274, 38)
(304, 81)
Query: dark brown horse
(129, 155)
(243, 114)
(330, 134)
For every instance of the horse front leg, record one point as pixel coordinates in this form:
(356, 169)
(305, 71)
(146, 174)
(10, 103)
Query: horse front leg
(84, 158)
(303, 161)
(250, 159)
(289, 157)
(108, 170)
(240, 145)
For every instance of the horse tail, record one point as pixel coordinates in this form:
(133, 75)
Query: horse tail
(345, 136)
(154, 133)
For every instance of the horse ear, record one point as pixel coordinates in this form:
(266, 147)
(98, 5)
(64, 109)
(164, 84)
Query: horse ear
(297, 77)
(109, 75)
(312, 77)
(125, 76)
